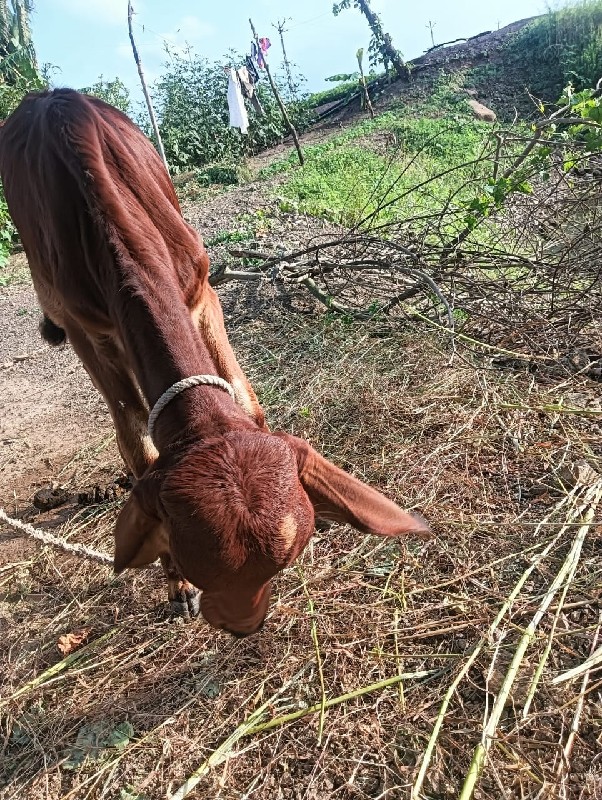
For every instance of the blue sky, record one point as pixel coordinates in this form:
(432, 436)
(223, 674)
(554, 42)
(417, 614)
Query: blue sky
(84, 39)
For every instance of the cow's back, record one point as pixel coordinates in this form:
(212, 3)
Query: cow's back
(93, 204)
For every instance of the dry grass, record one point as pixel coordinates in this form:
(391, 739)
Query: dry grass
(439, 438)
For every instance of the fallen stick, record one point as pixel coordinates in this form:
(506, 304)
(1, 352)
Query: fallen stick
(225, 748)
(277, 722)
(61, 666)
(563, 765)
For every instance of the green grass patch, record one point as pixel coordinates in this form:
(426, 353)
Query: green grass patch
(426, 162)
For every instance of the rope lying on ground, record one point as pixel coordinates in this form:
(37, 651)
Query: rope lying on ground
(47, 538)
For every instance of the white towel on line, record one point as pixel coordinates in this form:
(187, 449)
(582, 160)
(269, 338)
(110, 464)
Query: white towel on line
(236, 105)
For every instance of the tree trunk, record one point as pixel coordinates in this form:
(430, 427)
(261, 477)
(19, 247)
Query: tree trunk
(386, 44)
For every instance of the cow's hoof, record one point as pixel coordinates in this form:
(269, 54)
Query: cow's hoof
(187, 603)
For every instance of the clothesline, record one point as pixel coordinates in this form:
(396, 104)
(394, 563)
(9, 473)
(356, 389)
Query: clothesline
(241, 80)
(144, 28)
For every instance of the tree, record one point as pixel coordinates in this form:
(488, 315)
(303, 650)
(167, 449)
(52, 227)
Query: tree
(381, 45)
(114, 92)
(19, 72)
(17, 53)
(18, 75)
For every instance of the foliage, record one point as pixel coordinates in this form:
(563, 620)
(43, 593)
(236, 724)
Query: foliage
(191, 101)
(17, 55)
(347, 182)
(331, 95)
(114, 92)
(561, 47)
(569, 140)
(7, 231)
(380, 49)
(18, 75)
(585, 105)
(95, 740)
(19, 72)
(342, 77)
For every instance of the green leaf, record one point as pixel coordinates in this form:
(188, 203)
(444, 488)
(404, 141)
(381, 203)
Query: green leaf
(94, 740)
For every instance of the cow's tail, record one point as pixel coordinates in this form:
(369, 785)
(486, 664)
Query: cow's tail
(51, 333)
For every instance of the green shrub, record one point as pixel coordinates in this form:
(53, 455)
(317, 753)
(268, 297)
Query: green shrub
(561, 47)
(191, 102)
(7, 231)
(15, 83)
(114, 92)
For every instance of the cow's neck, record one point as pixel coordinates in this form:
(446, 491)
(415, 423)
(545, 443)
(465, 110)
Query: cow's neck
(164, 347)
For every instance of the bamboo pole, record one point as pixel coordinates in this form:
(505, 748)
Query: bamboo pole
(149, 105)
(281, 105)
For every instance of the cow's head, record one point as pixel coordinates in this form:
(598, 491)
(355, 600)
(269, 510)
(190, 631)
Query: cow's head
(235, 511)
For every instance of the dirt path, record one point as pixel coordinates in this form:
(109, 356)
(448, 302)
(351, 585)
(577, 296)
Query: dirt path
(48, 408)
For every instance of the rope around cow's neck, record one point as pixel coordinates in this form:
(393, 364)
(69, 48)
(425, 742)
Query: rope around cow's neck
(180, 386)
(48, 538)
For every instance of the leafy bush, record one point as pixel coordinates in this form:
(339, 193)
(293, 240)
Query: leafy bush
(344, 89)
(18, 76)
(7, 231)
(114, 92)
(561, 47)
(191, 101)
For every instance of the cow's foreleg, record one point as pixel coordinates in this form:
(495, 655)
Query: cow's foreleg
(184, 598)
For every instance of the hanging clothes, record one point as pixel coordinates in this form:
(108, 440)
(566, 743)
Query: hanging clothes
(236, 104)
(253, 74)
(257, 56)
(247, 84)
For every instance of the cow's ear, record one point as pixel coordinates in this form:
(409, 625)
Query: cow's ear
(140, 536)
(340, 497)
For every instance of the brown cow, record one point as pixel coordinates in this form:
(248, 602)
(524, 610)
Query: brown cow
(224, 503)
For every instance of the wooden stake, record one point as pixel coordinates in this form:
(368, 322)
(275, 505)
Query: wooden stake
(149, 104)
(280, 28)
(281, 105)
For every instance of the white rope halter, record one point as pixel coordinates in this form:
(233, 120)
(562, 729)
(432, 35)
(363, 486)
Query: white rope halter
(180, 386)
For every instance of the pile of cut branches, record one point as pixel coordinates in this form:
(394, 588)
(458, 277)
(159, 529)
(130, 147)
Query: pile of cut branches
(511, 258)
